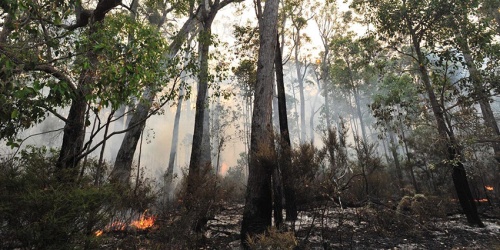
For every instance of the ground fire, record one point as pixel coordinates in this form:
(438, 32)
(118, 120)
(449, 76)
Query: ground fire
(144, 222)
(489, 188)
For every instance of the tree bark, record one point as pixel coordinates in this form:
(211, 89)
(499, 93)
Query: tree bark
(173, 145)
(397, 164)
(258, 203)
(122, 167)
(74, 135)
(199, 159)
(285, 145)
(300, 79)
(449, 142)
(481, 93)
(360, 115)
(123, 164)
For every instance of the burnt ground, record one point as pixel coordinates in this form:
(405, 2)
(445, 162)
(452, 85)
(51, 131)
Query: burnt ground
(368, 227)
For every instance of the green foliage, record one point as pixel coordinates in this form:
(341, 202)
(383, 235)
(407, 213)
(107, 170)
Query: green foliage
(130, 58)
(44, 62)
(38, 212)
(396, 99)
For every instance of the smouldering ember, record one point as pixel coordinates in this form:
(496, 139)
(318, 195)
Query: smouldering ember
(144, 222)
(489, 188)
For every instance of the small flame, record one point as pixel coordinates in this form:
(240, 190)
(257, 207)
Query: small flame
(144, 222)
(489, 188)
(116, 226)
(483, 200)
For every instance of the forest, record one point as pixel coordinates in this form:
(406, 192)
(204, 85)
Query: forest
(264, 124)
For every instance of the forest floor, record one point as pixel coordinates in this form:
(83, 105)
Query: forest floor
(367, 227)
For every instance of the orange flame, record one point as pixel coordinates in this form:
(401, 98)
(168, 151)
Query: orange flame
(144, 222)
(489, 188)
(116, 226)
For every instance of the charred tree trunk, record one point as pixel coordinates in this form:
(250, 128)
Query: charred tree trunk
(258, 203)
(410, 162)
(277, 197)
(285, 145)
(325, 71)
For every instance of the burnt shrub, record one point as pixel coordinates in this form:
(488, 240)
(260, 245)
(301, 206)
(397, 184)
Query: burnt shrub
(183, 221)
(306, 163)
(273, 239)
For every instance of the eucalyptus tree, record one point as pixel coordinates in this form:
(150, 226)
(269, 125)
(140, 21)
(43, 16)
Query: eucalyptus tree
(396, 106)
(175, 138)
(246, 75)
(418, 22)
(299, 13)
(123, 164)
(200, 135)
(352, 70)
(68, 49)
(331, 22)
(194, 10)
(285, 147)
(474, 39)
(258, 202)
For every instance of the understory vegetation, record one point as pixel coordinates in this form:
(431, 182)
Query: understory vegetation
(342, 191)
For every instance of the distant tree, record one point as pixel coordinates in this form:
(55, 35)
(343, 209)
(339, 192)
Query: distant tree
(418, 22)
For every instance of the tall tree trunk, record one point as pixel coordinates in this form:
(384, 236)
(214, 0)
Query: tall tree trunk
(198, 160)
(206, 145)
(300, 79)
(123, 164)
(74, 129)
(74, 135)
(173, 145)
(124, 158)
(481, 93)
(397, 164)
(410, 161)
(285, 145)
(277, 197)
(448, 139)
(276, 120)
(258, 202)
(360, 115)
